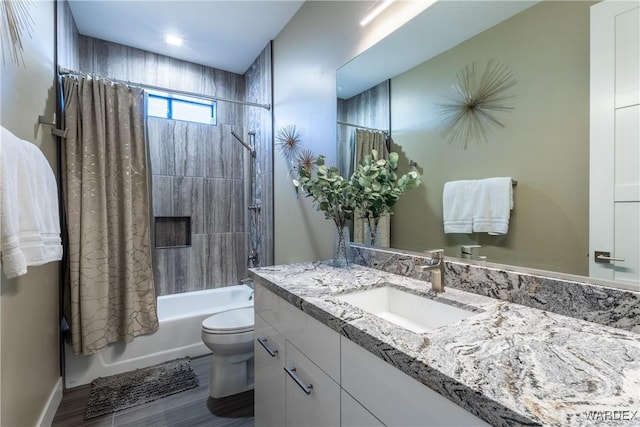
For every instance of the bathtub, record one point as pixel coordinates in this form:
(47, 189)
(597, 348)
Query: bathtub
(180, 318)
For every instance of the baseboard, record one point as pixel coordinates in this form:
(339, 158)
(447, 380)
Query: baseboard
(50, 409)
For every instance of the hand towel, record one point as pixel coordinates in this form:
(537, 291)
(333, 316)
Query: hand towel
(29, 218)
(493, 202)
(457, 206)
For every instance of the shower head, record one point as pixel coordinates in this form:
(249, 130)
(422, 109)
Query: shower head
(247, 146)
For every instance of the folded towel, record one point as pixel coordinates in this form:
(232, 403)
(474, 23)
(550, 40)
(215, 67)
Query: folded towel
(29, 219)
(457, 206)
(493, 202)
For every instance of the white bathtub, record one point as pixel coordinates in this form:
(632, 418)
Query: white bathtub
(180, 318)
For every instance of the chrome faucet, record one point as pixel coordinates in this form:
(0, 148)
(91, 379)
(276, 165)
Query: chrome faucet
(252, 260)
(436, 265)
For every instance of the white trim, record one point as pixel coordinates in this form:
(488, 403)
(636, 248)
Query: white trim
(1, 279)
(50, 409)
(602, 135)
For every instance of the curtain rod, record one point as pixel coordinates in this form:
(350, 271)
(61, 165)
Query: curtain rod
(63, 71)
(362, 127)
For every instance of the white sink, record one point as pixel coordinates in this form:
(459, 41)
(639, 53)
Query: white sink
(413, 312)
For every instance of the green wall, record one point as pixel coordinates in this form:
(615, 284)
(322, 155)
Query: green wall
(544, 145)
(320, 38)
(30, 382)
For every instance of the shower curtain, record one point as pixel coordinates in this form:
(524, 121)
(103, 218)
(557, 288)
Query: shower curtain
(109, 287)
(367, 140)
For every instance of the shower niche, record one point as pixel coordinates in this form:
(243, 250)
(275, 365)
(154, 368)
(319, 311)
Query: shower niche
(172, 231)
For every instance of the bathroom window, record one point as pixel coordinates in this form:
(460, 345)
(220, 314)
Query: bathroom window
(169, 106)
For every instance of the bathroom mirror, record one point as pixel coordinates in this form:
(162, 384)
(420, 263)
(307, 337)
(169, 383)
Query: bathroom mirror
(544, 144)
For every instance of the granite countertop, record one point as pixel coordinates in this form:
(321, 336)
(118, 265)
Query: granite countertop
(508, 364)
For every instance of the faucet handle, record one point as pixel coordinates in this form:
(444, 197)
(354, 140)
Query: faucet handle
(436, 253)
(467, 252)
(468, 249)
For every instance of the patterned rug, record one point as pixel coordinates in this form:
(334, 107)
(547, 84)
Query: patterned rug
(122, 391)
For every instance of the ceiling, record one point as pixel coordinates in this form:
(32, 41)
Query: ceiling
(223, 34)
(230, 34)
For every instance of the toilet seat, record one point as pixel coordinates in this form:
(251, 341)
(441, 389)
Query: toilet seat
(234, 321)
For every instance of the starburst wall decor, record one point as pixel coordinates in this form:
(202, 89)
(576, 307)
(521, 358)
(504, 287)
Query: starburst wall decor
(475, 101)
(15, 22)
(289, 142)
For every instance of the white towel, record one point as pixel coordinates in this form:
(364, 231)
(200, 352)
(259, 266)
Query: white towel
(457, 206)
(493, 202)
(29, 219)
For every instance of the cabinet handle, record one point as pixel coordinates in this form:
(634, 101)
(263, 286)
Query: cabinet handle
(263, 343)
(292, 373)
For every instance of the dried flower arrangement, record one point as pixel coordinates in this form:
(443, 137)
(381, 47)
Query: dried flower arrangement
(16, 20)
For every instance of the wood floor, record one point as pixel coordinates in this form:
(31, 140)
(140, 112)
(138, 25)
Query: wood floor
(189, 408)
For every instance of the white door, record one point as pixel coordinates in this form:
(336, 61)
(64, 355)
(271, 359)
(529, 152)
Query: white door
(614, 223)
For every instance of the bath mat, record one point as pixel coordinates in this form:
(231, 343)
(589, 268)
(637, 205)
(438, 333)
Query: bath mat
(122, 391)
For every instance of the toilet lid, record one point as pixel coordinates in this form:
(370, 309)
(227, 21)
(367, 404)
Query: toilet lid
(231, 321)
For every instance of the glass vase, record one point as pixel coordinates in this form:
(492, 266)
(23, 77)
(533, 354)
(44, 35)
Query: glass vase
(341, 244)
(371, 231)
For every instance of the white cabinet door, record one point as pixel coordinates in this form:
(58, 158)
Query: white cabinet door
(614, 198)
(316, 340)
(269, 390)
(353, 414)
(313, 398)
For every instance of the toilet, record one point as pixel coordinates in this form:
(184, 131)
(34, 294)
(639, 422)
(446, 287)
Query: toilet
(229, 335)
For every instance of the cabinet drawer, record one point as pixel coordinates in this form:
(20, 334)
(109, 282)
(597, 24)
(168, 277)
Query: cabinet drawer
(267, 304)
(395, 398)
(269, 390)
(317, 341)
(313, 398)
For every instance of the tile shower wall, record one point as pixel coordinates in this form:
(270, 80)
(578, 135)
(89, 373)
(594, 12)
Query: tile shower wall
(67, 37)
(368, 109)
(197, 170)
(258, 89)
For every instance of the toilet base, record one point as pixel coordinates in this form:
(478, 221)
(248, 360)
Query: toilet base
(231, 374)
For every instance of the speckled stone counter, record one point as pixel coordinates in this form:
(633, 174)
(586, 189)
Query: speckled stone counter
(595, 301)
(508, 364)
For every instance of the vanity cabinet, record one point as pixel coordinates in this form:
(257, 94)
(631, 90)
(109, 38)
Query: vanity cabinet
(269, 408)
(353, 414)
(395, 398)
(313, 398)
(297, 366)
(309, 375)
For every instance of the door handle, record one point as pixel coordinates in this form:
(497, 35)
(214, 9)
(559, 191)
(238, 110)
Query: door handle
(603, 257)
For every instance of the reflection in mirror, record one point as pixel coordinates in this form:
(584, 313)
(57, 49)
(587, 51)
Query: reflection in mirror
(363, 125)
(544, 144)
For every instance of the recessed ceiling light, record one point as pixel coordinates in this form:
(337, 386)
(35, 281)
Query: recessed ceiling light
(173, 40)
(375, 12)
